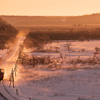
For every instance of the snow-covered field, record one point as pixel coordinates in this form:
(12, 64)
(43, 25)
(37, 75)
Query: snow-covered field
(69, 81)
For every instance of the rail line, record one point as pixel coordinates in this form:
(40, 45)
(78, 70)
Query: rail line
(2, 97)
(7, 65)
(3, 94)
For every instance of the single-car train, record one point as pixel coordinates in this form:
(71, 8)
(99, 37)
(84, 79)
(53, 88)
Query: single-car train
(1, 74)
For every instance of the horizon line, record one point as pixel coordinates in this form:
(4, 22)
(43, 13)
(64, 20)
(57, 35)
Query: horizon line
(53, 15)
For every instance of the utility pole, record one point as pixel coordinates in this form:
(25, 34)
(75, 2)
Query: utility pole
(12, 78)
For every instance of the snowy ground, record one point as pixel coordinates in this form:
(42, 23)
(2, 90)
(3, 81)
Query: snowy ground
(40, 83)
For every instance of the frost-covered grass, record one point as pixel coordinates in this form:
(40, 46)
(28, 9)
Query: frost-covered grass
(66, 78)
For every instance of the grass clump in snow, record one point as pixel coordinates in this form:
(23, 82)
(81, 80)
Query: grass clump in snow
(34, 60)
(90, 61)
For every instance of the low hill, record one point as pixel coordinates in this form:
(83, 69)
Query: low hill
(52, 20)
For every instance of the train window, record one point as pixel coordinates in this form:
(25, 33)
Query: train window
(2, 70)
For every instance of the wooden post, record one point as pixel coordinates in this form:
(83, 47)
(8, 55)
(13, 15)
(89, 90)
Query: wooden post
(17, 92)
(10, 81)
(13, 77)
(15, 69)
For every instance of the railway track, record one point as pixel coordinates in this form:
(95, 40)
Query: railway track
(7, 65)
(2, 97)
(3, 94)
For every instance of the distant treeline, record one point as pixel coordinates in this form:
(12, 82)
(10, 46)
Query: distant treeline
(74, 35)
(38, 38)
(7, 33)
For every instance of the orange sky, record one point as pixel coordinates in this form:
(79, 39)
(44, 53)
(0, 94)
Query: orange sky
(49, 7)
